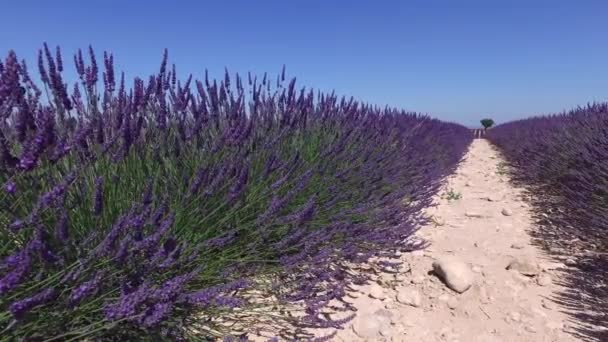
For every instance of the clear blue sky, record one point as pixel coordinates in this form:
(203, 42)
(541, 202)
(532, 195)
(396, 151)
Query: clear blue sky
(457, 60)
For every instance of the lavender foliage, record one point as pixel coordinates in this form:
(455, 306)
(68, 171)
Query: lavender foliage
(146, 207)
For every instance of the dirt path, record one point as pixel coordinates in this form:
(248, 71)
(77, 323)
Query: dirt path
(477, 236)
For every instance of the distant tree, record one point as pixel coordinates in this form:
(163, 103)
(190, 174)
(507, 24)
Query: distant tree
(487, 123)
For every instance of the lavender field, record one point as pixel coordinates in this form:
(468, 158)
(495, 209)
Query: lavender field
(159, 208)
(147, 209)
(563, 161)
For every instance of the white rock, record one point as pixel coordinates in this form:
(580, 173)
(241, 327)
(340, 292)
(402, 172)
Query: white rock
(530, 329)
(418, 279)
(452, 303)
(417, 253)
(456, 274)
(507, 212)
(570, 262)
(543, 280)
(444, 297)
(476, 269)
(473, 214)
(515, 316)
(376, 291)
(368, 326)
(517, 245)
(409, 297)
(439, 221)
(354, 294)
(524, 266)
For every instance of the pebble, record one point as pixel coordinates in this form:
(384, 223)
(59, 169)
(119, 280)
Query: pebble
(543, 280)
(417, 253)
(515, 316)
(376, 291)
(517, 245)
(354, 294)
(507, 212)
(439, 221)
(418, 279)
(530, 329)
(368, 326)
(524, 266)
(477, 269)
(456, 274)
(546, 304)
(473, 214)
(452, 303)
(409, 297)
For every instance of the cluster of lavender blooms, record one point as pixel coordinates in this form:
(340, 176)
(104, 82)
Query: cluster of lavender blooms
(133, 210)
(563, 160)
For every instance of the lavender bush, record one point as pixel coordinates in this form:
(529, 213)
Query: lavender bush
(563, 160)
(142, 210)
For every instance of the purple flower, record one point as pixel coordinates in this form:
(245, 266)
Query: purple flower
(17, 274)
(10, 187)
(157, 313)
(21, 307)
(127, 304)
(173, 287)
(239, 186)
(98, 197)
(85, 289)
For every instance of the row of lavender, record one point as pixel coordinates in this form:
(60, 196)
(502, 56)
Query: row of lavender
(149, 211)
(563, 161)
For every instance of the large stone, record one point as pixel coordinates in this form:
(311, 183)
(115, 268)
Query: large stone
(524, 266)
(455, 274)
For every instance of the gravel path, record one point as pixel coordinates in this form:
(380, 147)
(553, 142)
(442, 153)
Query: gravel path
(473, 241)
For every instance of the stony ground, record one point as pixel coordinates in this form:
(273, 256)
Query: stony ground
(480, 279)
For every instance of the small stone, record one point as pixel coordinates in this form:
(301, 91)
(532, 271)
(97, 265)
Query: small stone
(409, 297)
(390, 306)
(354, 294)
(515, 316)
(452, 303)
(473, 214)
(507, 212)
(552, 325)
(456, 274)
(439, 221)
(418, 279)
(543, 280)
(469, 184)
(546, 304)
(417, 253)
(530, 329)
(524, 266)
(549, 266)
(476, 269)
(444, 297)
(517, 245)
(570, 262)
(376, 291)
(384, 313)
(368, 326)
